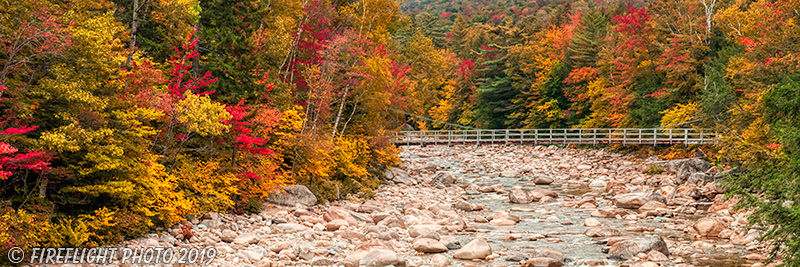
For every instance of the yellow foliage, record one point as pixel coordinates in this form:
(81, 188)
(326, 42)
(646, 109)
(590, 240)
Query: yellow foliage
(21, 228)
(351, 157)
(202, 115)
(678, 115)
(442, 110)
(207, 186)
(149, 192)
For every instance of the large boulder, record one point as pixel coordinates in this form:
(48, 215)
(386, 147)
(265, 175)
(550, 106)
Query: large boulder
(701, 178)
(399, 176)
(687, 167)
(543, 180)
(335, 213)
(710, 226)
(538, 193)
(510, 173)
(293, 194)
(602, 232)
(519, 196)
(382, 257)
(548, 253)
(423, 229)
(477, 249)
(637, 199)
(627, 249)
(443, 178)
(465, 206)
(428, 245)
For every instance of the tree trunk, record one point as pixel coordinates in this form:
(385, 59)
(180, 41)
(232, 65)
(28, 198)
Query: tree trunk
(196, 60)
(134, 28)
(339, 114)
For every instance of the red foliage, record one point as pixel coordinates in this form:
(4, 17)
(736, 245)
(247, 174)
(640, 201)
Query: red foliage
(249, 175)
(315, 33)
(41, 34)
(11, 160)
(182, 66)
(20, 130)
(746, 41)
(498, 17)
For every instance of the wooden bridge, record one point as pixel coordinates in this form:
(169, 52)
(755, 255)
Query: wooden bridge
(625, 136)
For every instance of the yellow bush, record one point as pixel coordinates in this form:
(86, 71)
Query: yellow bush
(678, 115)
(206, 185)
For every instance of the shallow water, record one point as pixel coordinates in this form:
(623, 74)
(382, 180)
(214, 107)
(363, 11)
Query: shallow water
(565, 235)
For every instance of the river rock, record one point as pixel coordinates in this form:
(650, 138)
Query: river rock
(701, 178)
(548, 253)
(382, 257)
(291, 228)
(519, 196)
(542, 180)
(252, 256)
(245, 239)
(443, 178)
(423, 229)
(655, 255)
(293, 194)
(399, 176)
(464, 205)
(710, 226)
(598, 184)
(627, 249)
(591, 222)
(321, 261)
(335, 224)
(602, 232)
(537, 193)
(653, 205)
(510, 173)
(635, 200)
(440, 260)
(687, 167)
(542, 262)
(335, 213)
(428, 245)
(476, 249)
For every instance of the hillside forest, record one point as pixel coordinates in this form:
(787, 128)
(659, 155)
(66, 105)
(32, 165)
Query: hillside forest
(120, 117)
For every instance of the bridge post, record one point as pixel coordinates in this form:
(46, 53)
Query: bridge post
(450, 138)
(685, 137)
(639, 139)
(670, 136)
(594, 137)
(478, 137)
(701, 137)
(624, 137)
(655, 136)
(506, 136)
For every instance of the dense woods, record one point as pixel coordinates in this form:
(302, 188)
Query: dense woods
(123, 116)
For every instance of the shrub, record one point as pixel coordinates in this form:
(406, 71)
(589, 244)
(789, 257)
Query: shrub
(654, 169)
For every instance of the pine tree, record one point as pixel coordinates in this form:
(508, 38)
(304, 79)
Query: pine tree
(588, 39)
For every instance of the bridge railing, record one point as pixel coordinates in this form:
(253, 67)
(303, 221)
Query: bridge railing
(653, 136)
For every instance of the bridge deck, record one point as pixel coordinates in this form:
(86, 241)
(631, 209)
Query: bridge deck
(625, 136)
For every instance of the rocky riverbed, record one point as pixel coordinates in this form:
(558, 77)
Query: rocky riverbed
(496, 206)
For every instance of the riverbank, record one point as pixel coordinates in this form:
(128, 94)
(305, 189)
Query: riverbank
(498, 206)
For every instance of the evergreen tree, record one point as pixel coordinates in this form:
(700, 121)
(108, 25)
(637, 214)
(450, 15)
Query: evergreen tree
(588, 39)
